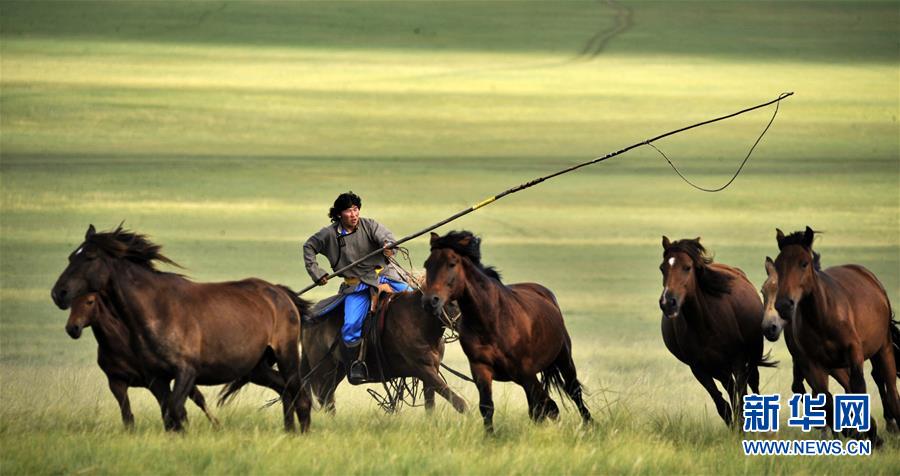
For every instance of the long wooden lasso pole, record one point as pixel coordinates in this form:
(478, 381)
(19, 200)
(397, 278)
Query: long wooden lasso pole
(547, 177)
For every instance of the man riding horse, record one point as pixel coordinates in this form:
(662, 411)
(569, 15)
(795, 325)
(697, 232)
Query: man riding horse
(348, 238)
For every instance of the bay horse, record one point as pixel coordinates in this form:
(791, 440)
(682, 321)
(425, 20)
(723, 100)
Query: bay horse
(194, 333)
(840, 317)
(116, 359)
(773, 325)
(411, 344)
(711, 322)
(508, 332)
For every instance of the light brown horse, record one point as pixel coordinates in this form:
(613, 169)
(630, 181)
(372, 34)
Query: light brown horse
(840, 317)
(773, 324)
(194, 333)
(712, 322)
(508, 333)
(116, 359)
(411, 344)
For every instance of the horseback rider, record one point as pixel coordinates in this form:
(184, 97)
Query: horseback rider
(348, 238)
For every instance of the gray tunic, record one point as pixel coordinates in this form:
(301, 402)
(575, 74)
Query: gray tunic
(368, 237)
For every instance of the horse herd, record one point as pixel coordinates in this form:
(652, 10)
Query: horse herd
(154, 328)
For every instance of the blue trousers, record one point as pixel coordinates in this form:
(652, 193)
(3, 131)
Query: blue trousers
(356, 306)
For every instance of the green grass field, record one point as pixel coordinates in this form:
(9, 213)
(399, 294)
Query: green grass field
(225, 130)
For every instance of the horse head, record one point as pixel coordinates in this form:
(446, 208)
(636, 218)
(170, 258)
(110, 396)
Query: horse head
(679, 270)
(772, 323)
(88, 271)
(92, 263)
(795, 264)
(83, 314)
(445, 275)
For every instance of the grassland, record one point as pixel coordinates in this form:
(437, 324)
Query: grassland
(225, 130)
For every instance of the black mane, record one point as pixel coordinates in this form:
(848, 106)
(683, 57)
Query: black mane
(125, 244)
(795, 238)
(472, 250)
(712, 282)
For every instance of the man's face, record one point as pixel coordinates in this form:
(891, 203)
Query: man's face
(350, 218)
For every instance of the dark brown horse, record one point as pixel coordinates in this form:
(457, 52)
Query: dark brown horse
(115, 357)
(509, 333)
(712, 322)
(773, 324)
(411, 345)
(194, 333)
(840, 317)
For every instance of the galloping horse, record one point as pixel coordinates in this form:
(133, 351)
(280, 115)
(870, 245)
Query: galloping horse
(840, 317)
(411, 345)
(773, 324)
(711, 322)
(508, 333)
(116, 359)
(196, 333)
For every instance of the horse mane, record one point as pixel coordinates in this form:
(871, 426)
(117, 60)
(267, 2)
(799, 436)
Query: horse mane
(125, 244)
(799, 238)
(472, 250)
(711, 281)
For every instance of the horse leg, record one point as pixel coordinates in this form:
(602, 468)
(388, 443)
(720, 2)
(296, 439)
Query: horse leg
(198, 399)
(536, 398)
(160, 390)
(119, 389)
(573, 387)
(722, 407)
(322, 384)
(484, 376)
(884, 371)
(298, 398)
(858, 385)
(184, 382)
(432, 381)
(818, 385)
(798, 376)
(428, 392)
(739, 389)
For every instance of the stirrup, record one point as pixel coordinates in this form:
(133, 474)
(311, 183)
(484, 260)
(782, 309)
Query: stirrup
(359, 373)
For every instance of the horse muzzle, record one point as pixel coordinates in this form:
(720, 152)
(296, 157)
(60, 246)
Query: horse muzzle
(786, 308)
(432, 303)
(61, 298)
(74, 330)
(669, 306)
(772, 331)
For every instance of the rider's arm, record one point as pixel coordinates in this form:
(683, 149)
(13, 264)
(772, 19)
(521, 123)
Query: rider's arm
(313, 246)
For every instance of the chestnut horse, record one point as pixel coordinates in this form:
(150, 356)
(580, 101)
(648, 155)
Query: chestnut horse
(508, 333)
(712, 322)
(840, 317)
(411, 345)
(116, 359)
(194, 333)
(773, 324)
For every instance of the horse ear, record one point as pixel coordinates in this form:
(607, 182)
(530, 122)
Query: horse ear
(666, 243)
(770, 266)
(808, 237)
(90, 232)
(779, 237)
(697, 239)
(434, 237)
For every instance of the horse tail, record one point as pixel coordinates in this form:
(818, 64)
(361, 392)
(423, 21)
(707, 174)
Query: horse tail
(895, 340)
(551, 379)
(229, 391)
(766, 361)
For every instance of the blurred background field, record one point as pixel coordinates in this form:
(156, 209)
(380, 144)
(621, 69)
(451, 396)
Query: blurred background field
(224, 130)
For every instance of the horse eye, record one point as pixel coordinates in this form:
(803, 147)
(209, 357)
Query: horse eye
(686, 268)
(804, 264)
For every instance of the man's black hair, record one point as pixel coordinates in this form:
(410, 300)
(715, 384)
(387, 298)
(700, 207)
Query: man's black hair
(343, 202)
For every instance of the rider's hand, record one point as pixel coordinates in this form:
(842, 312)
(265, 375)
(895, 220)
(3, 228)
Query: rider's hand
(323, 280)
(388, 252)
